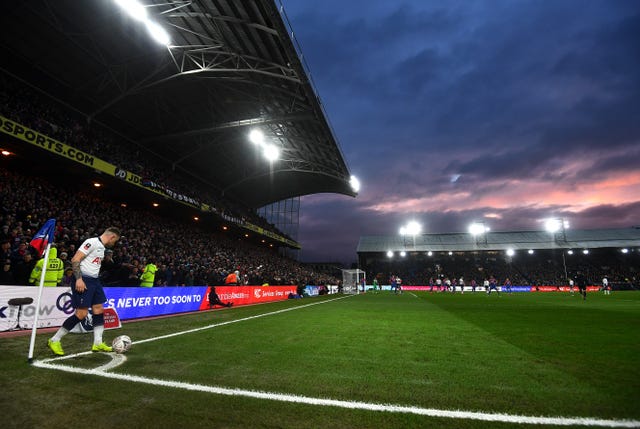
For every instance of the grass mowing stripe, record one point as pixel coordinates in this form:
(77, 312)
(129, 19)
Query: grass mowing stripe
(454, 414)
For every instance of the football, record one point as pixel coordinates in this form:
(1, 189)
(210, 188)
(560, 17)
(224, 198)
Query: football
(121, 344)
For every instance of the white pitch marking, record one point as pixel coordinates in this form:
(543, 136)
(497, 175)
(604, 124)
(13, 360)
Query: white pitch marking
(117, 359)
(431, 412)
(202, 328)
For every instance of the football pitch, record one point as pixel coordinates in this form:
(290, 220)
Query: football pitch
(368, 361)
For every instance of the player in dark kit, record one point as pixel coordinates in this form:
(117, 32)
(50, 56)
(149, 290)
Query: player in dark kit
(581, 282)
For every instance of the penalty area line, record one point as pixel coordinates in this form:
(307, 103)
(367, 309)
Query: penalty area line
(354, 405)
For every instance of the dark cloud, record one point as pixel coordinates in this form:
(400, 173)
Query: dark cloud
(490, 93)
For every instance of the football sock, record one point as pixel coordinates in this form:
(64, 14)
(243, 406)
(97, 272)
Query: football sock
(98, 328)
(66, 327)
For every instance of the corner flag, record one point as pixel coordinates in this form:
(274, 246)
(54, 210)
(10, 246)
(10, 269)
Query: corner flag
(44, 237)
(42, 243)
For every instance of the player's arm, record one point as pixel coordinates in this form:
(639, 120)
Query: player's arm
(75, 265)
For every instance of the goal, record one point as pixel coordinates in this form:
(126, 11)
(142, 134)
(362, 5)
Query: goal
(352, 281)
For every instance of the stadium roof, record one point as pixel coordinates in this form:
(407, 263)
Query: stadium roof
(230, 66)
(516, 240)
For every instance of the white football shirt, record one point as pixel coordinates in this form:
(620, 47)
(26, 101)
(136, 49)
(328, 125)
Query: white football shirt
(94, 251)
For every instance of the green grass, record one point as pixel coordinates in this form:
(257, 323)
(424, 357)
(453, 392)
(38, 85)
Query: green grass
(532, 354)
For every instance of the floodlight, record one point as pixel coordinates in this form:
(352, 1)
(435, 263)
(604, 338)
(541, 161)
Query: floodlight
(256, 137)
(625, 250)
(389, 254)
(429, 253)
(271, 152)
(355, 184)
(570, 252)
(530, 251)
(511, 252)
(133, 9)
(585, 251)
(478, 228)
(158, 33)
(403, 253)
(413, 228)
(450, 253)
(554, 225)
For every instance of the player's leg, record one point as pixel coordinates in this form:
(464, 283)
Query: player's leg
(97, 309)
(81, 311)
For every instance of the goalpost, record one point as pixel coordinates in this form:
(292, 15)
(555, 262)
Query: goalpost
(352, 281)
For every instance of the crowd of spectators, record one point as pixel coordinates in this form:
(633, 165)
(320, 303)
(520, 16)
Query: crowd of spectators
(23, 104)
(185, 255)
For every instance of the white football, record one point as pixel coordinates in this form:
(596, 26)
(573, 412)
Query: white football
(121, 344)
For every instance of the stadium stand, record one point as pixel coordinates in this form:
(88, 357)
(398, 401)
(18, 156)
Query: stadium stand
(185, 254)
(30, 108)
(542, 267)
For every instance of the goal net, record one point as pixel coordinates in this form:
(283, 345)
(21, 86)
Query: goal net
(352, 281)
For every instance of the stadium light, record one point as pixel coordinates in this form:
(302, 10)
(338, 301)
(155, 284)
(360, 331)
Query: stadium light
(134, 9)
(569, 252)
(412, 228)
(585, 251)
(389, 254)
(271, 152)
(355, 184)
(554, 225)
(511, 252)
(477, 228)
(530, 251)
(625, 250)
(158, 33)
(429, 253)
(256, 137)
(450, 253)
(403, 253)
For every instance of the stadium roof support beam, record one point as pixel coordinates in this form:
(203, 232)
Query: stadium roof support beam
(232, 124)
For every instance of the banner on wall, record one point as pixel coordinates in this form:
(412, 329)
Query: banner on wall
(127, 302)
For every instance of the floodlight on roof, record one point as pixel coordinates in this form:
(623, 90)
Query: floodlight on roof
(256, 137)
(478, 228)
(134, 9)
(271, 152)
(355, 184)
(389, 254)
(158, 33)
(411, 228)
(554, 225)
(511, 252)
